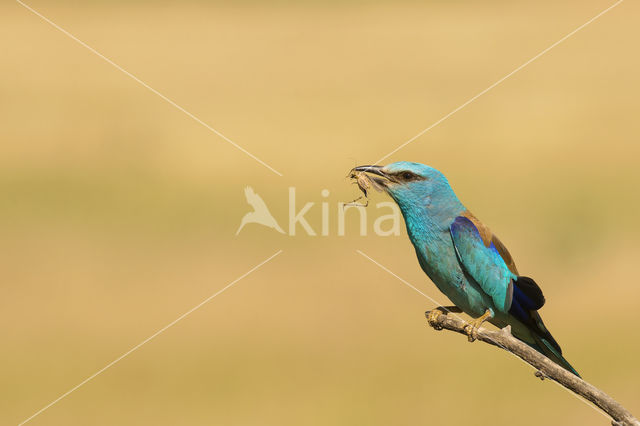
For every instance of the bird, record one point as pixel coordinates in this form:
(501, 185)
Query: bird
(463, 258)
(260, 213)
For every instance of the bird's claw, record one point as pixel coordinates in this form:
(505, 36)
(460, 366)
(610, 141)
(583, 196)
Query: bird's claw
(471, 329)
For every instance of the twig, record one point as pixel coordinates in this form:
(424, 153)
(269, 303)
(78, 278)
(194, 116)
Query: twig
(545, 368)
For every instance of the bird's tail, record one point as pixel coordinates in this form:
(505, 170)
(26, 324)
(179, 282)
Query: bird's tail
(547, 346)
(527, 299)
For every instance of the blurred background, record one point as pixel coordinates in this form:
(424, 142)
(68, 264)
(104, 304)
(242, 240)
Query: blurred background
(118, 212)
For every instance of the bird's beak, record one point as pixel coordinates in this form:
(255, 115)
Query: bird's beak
(381, 181)
(375, 170)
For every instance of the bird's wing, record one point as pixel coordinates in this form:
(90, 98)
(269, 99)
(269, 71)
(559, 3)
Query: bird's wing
(527, 295)
(483, 261)
(489, 238)
(489, 263)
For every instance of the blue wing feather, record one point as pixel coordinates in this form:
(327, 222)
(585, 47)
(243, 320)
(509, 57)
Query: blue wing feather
(518, 296)
(484, 264)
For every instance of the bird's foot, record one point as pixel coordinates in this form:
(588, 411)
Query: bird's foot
(471, 329)
(434, 314)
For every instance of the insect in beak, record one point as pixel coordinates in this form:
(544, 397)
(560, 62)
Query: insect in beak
(365, 182)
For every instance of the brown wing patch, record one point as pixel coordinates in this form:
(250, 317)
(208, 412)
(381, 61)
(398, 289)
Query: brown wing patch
(506, 256)
(485, 232)
(488, 237)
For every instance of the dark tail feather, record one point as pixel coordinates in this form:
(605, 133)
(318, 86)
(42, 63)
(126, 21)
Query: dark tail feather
(551, 351)
(527, 299)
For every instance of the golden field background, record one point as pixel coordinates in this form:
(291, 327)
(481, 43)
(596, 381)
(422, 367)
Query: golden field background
(118, 212)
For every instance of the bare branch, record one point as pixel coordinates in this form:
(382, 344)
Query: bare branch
(544, 366)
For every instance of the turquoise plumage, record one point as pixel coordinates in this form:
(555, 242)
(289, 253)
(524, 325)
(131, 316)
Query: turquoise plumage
(463, 258)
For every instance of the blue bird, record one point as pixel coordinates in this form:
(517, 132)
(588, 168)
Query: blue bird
(464, 259)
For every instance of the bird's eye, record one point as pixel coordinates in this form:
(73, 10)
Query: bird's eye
(407, 175)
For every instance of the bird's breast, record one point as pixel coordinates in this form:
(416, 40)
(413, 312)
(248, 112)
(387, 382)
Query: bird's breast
(439, 261)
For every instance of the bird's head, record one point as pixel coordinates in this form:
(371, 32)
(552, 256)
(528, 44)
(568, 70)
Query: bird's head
(413, 186)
